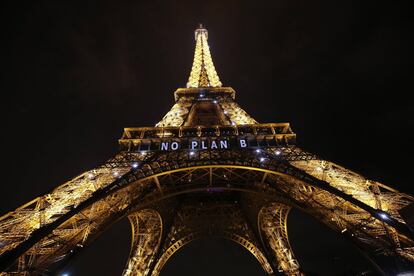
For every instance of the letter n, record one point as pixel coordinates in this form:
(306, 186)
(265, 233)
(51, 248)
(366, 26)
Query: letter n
(223, 144)
(164, 145)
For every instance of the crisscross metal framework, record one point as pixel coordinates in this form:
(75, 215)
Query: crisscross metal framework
(173, 197)
(117, 189)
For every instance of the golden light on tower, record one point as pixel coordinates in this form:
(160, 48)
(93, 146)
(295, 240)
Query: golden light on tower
(163, 173)
(203, 73)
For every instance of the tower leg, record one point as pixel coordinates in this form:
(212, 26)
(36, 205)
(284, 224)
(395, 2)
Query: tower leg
(146, 235)
(273, 228)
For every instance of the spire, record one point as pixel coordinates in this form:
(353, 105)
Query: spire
(203, 73)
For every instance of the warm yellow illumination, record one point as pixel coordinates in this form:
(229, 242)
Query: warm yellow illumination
(203, 73)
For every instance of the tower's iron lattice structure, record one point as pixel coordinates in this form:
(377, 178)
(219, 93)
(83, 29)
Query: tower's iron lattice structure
(207, 169)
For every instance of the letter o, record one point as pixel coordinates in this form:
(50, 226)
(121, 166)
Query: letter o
(174, 145)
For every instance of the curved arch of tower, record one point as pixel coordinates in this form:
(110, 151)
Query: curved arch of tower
(208, 169)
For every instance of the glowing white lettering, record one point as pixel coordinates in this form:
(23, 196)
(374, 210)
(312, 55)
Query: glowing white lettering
(243, 143)
(174, 145)
(164, 146)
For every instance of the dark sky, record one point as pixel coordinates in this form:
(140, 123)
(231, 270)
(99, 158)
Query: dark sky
(76, 73)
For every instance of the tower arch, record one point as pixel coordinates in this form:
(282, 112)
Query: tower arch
(290, 189)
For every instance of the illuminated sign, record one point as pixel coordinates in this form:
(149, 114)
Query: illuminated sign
(206, 143)
(201, 144)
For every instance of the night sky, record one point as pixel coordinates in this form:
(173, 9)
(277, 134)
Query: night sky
(74, 74)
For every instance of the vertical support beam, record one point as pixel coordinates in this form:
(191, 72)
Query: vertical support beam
(146, 236)
(264, 178)
(272, 222)
(157, 182)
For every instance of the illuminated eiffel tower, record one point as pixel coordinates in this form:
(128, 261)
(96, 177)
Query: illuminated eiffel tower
(208, 169)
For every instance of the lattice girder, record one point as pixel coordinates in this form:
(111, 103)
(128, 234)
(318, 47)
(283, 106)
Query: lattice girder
(162, 176)
(42, 235)
(272, 221)
(19, 224)
(146, 237)
(203, 73)
(200, 219)
(179, 112)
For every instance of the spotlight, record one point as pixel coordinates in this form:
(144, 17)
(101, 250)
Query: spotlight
(278, 152)
(135, 165)
(384, 216)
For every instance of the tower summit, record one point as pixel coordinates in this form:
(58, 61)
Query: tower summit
(208, 169)
(204, 102)
(203, 73)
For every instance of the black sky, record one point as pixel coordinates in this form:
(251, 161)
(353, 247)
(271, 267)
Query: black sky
(75, 73)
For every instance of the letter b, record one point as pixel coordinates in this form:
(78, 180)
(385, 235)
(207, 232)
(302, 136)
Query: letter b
(243, 143)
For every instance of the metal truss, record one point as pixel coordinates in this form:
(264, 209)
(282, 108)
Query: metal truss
(235, 113)
(177, 114)
(199, 219)
(273, 224)
(203, 73)
(223, 97)
(39, 236)
(146, 237)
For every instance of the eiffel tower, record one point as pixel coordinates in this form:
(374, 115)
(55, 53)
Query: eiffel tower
(208, 169)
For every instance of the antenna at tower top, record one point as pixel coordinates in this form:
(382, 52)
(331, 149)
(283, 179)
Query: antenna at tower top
(200, 30)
